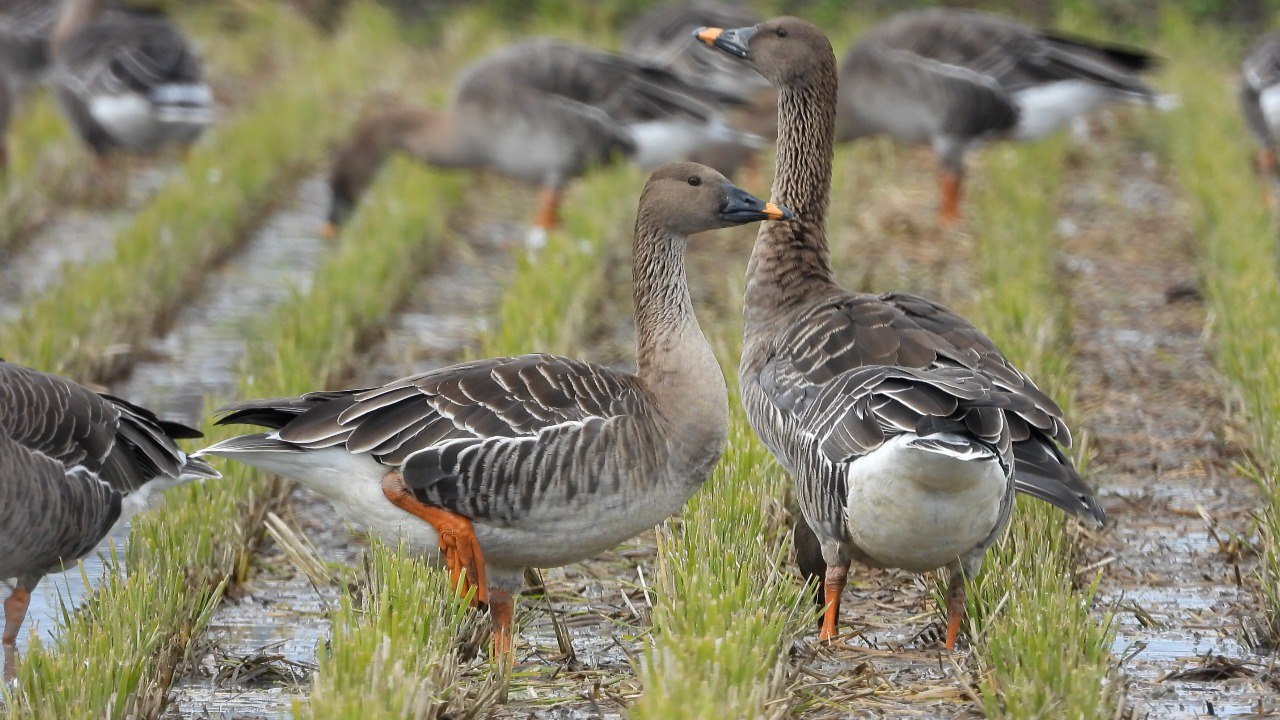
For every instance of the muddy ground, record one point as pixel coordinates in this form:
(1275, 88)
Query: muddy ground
(1162, 438)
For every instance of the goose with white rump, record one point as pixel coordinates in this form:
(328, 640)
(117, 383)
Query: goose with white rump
(127, 79)
(542, 111)
(536, 460)
(73, 464)
(905, 429)
(953, 79)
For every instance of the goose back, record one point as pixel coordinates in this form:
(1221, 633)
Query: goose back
(25, 26)
(129, 79)
(71, 461)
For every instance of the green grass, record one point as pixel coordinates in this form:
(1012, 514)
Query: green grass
(136, 626)
(1209, 149)
(1040, 649)
(727, 607)
(86, 325)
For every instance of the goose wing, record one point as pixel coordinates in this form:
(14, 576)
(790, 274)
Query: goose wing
(904, 331)
(132, 51)
(24, 37)
(123, 445)
(1261, 68)
(487, 439)
(1015, 55)
(906, 85)
(626, 90)
(52, 513)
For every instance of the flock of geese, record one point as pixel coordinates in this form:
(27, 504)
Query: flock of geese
(907, 432)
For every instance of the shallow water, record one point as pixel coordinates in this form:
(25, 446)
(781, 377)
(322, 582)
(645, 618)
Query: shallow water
(196, 360)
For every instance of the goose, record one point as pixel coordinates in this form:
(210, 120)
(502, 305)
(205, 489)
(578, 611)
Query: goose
(953, 79)
(127, 79)
(24, 54)
(536, 460)
(541, 111)
(660, 37)
(904, 428)
(1260, 98)
(73, 464)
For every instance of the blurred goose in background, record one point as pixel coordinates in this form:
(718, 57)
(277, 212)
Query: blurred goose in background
(905, 429)
(536, 460)
(1260, 101)
(541, 111)
(660, 37)
(127, 78)
(73, 463)
(955, 78)
(24, 54)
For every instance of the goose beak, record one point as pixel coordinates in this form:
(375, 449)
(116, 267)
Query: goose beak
(740, 206)
(733, 42)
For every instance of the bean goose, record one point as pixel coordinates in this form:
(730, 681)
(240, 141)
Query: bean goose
(536, 460)
(955, 78)
(127, 79)
(905, 429)
(541, 111)
(1260, 99)
(73, 463)
(660, 37)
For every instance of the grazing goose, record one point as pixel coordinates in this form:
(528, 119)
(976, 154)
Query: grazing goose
(536, 460)
(73, 463)
(1260, 98)
(955, 78)
(541, 111)
(660, 37)
(127, 79)
(904, 427)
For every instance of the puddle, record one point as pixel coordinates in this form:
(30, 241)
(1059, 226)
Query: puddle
(198, 356)
(197, 360)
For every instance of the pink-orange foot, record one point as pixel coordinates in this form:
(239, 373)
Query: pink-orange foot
(832, 585)
(15, 610)
(955, 609)
(458, 544)
(949, 183)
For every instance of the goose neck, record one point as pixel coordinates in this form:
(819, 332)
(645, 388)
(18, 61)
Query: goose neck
(790, 261)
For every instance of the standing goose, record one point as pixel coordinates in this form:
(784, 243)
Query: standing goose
(535, 460)
(127, 79)
(905, 429)
(955, 78)
(541, 111)
(73, 463)
(1260, 99)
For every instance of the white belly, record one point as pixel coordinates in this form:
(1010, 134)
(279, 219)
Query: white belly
(1269, 102)
(1045, 108)
(920, 510)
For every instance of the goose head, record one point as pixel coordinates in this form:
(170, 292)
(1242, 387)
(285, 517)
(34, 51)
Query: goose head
(687, 198)
(784, 50)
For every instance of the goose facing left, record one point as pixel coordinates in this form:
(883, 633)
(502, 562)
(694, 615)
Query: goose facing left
(536, 460)
(127, 79)
(73, 463)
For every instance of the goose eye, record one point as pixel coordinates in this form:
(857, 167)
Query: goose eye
(782, 32)
(695, 181)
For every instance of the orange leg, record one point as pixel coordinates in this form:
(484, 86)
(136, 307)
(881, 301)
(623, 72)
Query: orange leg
(955, 608)
(833, 585)
(458, 543)
(1266, 161)
(501, 606)
(548, 217)
(15, 610)
(949, 214)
